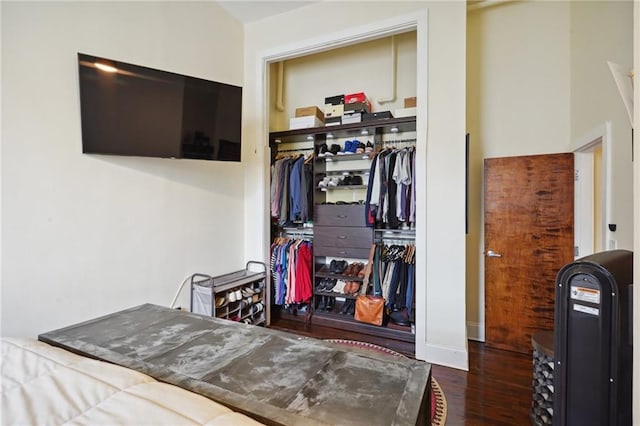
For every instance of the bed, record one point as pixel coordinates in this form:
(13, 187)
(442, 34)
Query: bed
(171, 365)
(45, 385)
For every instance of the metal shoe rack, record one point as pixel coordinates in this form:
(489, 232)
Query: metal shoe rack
(237, 296)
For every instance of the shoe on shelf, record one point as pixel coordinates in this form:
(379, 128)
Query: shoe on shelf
(330, 284)
(347, 147)
(345, 181)
(321, 306)
(337, 266)
(356, 180)
(368, 147)
(347, 270)
(324, 182)
(322, 150)
(333, 150)
(221, 301)
(352, 147)
(400, 317)
(333, 181)
(339, 287)
(352, 308)
(329, 304)
(360, 149)
(344, 151)
(362, 271)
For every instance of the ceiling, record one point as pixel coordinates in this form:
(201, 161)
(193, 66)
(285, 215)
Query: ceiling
(249, 11)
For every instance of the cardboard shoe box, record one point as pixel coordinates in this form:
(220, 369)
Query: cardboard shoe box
(410, 102)
(310, 111)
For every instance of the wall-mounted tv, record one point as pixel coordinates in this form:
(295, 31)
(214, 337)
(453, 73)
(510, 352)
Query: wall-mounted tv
(133, 110)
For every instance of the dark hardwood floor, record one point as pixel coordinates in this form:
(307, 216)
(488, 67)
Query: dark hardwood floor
(496, 390)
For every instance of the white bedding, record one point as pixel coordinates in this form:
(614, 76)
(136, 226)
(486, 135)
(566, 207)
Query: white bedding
(45, 385)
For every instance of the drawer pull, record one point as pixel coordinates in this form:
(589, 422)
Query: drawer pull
(342, 237)
(342, 252)
(341, 216)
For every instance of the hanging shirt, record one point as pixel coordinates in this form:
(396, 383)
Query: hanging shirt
(295, 190)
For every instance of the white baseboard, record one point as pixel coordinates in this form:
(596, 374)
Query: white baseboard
(448, 357)
(475, 331)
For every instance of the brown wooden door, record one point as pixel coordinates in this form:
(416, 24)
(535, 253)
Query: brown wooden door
(528, 215)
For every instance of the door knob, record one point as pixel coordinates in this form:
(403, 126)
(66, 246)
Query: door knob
(492, 253)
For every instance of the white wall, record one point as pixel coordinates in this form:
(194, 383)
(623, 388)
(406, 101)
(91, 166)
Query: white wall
(602, 31)
(518, 103)
(364, 67)
(441, 335)
(85, 235)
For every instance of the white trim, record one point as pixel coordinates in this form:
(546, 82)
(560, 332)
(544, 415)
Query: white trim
(347, 37)
(584, 237)
(447, 356)
(475, 331)
(636, 215)
(584, 145)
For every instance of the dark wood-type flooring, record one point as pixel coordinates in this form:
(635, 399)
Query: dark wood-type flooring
(496, 390)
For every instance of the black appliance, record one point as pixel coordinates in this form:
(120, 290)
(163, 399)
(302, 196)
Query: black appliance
(133, 110)
(593, 341)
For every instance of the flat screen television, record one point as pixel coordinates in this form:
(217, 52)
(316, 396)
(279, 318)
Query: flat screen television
(132, 110)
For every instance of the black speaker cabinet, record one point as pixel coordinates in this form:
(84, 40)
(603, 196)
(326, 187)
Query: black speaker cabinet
(593, 341)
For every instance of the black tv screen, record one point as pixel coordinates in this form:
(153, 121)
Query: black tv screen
(133, 110)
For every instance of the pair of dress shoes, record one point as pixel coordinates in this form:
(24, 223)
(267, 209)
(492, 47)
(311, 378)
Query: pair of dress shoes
(351, 287)
(400, 317)
(348, 307)
(325, 151)
(234, 295)
(337, 266)
(326, 284)
(354, 269)
(326, 303)
(353, 147)
(350, 180)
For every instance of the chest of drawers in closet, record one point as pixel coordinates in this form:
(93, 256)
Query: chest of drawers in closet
(340, 231)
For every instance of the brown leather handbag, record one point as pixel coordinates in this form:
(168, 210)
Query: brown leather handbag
(369, 309)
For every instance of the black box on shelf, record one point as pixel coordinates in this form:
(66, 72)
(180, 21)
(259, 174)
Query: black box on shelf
(358, 107)
(334, 100)
(333, 121)
(377, 115)
(352, 117)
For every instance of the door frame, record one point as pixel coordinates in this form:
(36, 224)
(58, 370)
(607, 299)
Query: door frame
(417, 21)
(583, 149)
